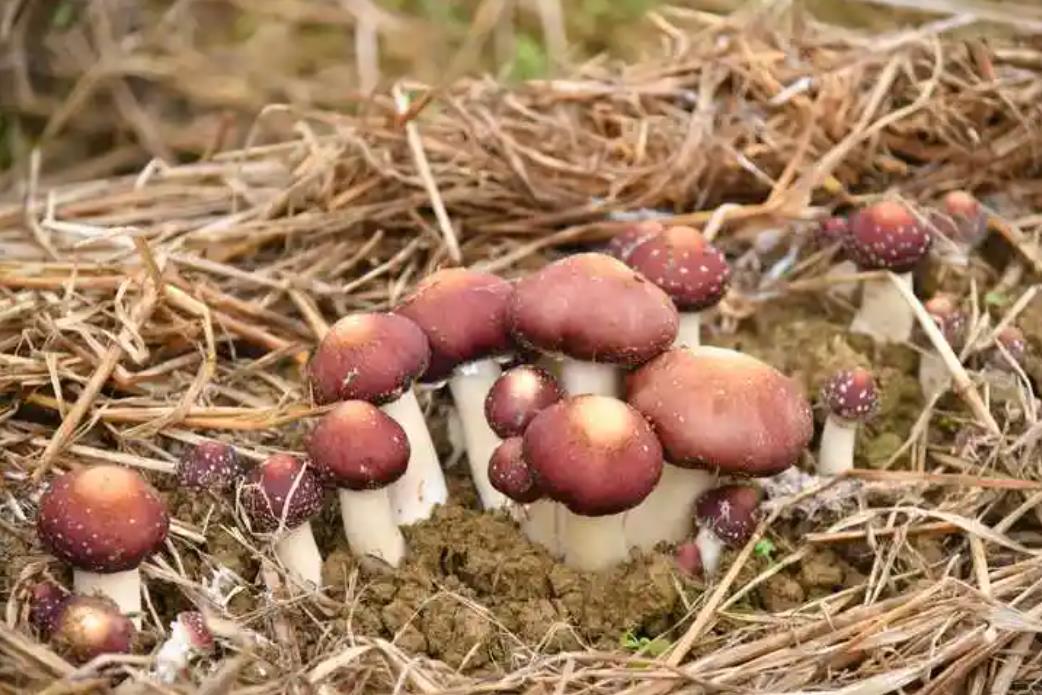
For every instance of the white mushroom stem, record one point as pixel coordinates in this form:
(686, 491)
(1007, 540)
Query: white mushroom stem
(594, 543)
(884, 313)
(470, 384)
(542, 522)
(579, 377)
(173, 657)
(934, 377)
(711, 548)
(415, 494)
(836, 454)
(689, 332)
(370, 525)
(665, 514)
(298, 553)
(124, 588)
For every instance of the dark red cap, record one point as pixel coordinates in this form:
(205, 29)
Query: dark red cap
(102, 519)
(280, 487)
(464, 314)
(358, 446)
(887, 236)
(689, 559)
(722, 410)
(594, 454)
(851, 394)
(831, 231)
(89, 626)
(508, 472)
(45, 602)
(516, 396)
(950, 318)
(209, 465)
(963, 220)
(592, 307)
(626, 241)
(199, 634)
(1012, 340)
(731, 512)
(693, 272)
(369, 357)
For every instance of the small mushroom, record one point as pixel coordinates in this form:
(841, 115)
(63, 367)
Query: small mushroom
(362, 450)
(693, 272)
(886, 236)
(104, 521)
(596, 315)
(89, 626)
(375, 358)
(726, 516)
(625, 242)
(280, 496)
(45, 602)
(689, 559)
(511, 475)
(962, 225)
(945, 311)
(715, 411)
(209, 465)
(517, 396)
(464, 315)
(598, 457)
(189, 638)
(851, 398)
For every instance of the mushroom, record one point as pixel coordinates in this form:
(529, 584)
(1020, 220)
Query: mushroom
(280, 496)
(189, 638)
(464, 315)
(962, 223)
(625, 242)
(361, 450)
(209, 465)
(89, 626)
(597, 314)
(45, 602)
(693, 272)
(851, 398)
(886, 236)
(598, 457)
(715, 411)
(689, 559)
(944, 309)
(104, 521)
(727, 516)
(376, 358)
(510, 474)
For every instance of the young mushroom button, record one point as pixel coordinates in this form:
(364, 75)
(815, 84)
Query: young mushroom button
(850, 396)
(962, 223)
(540, 518)
(517, 396)
(952, 320)
(89, 626)
(209, 465)
(727, 517)
(104, 521)
(625, 242)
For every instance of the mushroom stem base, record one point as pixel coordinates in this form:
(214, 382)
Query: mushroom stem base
(542, 523)
(836, 455)
(297, 552)
(470, 384)
(415, 494)
(665, 514)
(594, 543)
(710, 548)
(370, 526)
(579, 377)
(934, 377)
(124, 588)
(884, 313)
(689, 331)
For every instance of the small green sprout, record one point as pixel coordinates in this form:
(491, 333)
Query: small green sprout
(764, 548)
(643, 645)
(995, 299)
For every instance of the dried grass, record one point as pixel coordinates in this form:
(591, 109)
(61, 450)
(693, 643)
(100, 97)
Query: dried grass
(183, 301)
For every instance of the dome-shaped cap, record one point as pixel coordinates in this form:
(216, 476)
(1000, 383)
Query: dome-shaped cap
(722, 410)
(464, 315)
(731, 512)
(593, 454)
(851, 394)
(358, 446)
(626, 241)
(693, 272)
(689, 559)
(102, 519)
(209, 465)
(961, 219)
(199, 636)
(950, 318)
(282, 492)
(516, 396)
(592, 307)
(887, 236)
(45, 603)
(369, 357)
(508, 473)
(89, 626)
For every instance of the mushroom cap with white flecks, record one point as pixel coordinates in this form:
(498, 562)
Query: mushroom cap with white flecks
(199, 634)
(887, 236)
(730, 511)
(89, 626)
(508, 473)
(626, 241)
(851, 394)
(102, 519)
(282, 492)
(832, 230)
(693, 272)
(359, 447)
(209, 465)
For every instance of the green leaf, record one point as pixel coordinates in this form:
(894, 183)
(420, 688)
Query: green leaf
(530, 60)
(995, 299)
(64, 15)
(764, 548)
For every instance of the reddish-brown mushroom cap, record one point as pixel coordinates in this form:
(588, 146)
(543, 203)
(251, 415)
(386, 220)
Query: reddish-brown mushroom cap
(464, 315)
(199, 634)
(722, 410)
(950, 318)
(833, 230)
(887, 236)
(102, 519)
(516, 396)
(1013, 342)
(963, 220)
(358, 446)
(594, 454)
(626, 241)
(508, 473)
(689, 559)
(731, 512)
(851, 394)
(88, 626)
(45, 603)
(693, 272)
(369, 357)
(592, 307)
(282, 492)
(209, 465)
